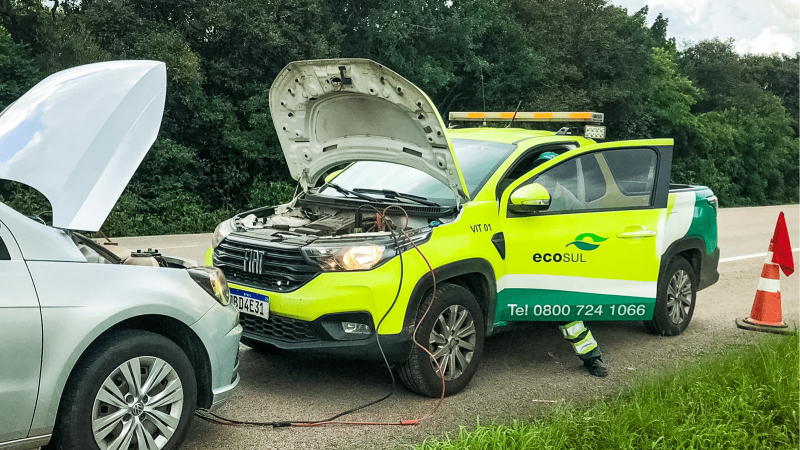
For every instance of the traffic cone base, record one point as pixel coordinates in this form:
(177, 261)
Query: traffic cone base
(746, 324)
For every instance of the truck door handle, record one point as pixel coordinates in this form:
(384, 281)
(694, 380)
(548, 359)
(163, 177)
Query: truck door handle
(637, 234)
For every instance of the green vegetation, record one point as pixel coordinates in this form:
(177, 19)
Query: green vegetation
(734, 118)
(27, 201)
(743, 399)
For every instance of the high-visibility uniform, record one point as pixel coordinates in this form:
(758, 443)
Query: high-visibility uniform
(581, 338)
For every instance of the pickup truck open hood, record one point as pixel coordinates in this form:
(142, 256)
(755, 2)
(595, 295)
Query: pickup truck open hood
(333, 111)
(79, 135)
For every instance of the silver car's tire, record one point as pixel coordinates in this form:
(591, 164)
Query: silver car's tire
(137, 390)
(453, 331)
(677, 296)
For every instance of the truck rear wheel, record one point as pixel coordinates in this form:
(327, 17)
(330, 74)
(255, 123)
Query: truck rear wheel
(453, 331)
(677, 295)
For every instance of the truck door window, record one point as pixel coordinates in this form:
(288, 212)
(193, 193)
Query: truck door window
(574, 184)
(528, 162)
(593, 179)
(633, 176)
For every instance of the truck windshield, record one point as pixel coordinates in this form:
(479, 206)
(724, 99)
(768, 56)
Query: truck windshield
(478, 161)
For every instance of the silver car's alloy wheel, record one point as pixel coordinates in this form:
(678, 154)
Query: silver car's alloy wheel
(138, 406)
(452, 342)
(679, 296)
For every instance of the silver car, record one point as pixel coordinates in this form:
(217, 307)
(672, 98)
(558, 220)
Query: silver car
(100, 348)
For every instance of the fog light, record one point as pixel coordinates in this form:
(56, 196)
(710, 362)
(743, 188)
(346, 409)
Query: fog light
(356, 328)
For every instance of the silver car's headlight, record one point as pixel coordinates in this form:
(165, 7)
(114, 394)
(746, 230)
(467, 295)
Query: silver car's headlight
(213, 281)
(221, 232)
(348, 254)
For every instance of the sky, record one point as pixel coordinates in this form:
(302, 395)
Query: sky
(757, 26)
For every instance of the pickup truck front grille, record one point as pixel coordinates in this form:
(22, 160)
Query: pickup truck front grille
(275, 269)
(278, 328)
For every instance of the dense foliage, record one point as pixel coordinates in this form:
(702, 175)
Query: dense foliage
(734, 118)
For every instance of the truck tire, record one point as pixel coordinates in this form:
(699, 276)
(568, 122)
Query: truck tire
(677, 295)
(453, 331)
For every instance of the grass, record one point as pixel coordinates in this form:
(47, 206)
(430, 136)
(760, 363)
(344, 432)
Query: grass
(745, 399)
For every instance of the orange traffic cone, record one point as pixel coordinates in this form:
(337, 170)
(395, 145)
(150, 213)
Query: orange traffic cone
(766, 312)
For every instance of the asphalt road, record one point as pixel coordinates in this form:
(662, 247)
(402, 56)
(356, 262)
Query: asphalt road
(524, 372)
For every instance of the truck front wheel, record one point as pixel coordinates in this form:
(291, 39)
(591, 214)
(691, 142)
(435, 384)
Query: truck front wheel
(677, 294)
(453, 332)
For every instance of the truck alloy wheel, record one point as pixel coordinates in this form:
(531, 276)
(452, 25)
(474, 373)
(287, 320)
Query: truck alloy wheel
(677, 294)
(453, 331)
(452, 342)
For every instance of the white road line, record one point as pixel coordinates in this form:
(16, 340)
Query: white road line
(182, 246)
(757, 255)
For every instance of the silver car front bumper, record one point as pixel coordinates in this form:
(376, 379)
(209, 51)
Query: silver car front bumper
(220, 331)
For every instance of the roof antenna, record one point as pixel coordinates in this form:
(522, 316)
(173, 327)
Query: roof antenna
(483, 92)
(514, 116)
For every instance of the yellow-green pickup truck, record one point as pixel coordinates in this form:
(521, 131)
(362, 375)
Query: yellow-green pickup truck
(405, 230)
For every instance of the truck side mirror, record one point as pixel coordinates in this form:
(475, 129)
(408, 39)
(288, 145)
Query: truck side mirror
(529, 198)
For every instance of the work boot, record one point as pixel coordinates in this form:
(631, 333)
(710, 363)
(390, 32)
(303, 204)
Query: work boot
(596, 367)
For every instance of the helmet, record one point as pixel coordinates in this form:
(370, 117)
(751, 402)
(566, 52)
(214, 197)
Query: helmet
(543, 158)
(546, 156)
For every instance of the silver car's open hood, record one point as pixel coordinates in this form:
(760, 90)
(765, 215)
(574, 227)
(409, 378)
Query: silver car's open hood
(333, 111)
(79, 135)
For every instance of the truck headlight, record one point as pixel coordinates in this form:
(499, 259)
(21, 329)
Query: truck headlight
(349, 253)
(221, 232)
(213, 281)
(348, 257)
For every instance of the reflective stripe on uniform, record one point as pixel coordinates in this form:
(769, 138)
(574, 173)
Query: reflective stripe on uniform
(573, 329)
(585, 345)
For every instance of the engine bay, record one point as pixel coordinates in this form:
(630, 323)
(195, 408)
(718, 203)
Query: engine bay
(112, 253)
(304, 222)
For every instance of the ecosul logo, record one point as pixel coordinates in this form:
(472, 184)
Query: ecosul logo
(582, 243)
(252, 261)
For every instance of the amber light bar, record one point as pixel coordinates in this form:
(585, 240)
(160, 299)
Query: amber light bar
(524, 116)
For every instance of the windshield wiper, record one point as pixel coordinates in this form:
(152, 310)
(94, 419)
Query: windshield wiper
(388, 193)
(347, 192)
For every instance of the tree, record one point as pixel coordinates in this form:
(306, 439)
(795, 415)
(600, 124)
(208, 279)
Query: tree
(17, 70)
(744, 128)
(597, 58)
(433, 43)
(714, 67)
(777, 74)
(659, 32)
(668, 100)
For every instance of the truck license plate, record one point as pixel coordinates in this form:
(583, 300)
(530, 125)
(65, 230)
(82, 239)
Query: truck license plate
(251, 303)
